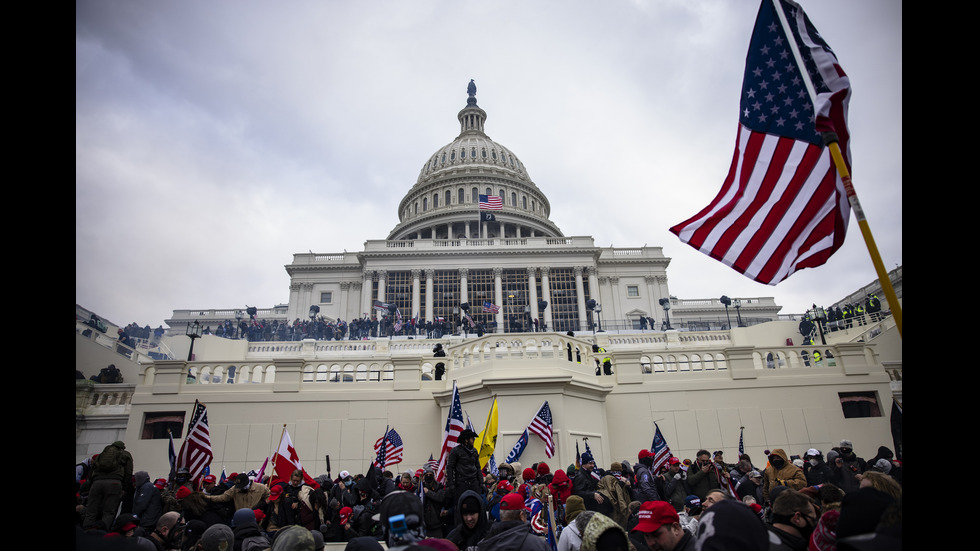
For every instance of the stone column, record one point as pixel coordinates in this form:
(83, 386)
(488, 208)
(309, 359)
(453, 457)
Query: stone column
(498, 297)
(357, 288)
(416, 292)
(546, 296)
(344, 292)
(382, 284)
(651, 297)
(366, 298)
(294, 302)
(429, 274)
(464, 294)
(532, 286)
(580, 293)
(616, 314)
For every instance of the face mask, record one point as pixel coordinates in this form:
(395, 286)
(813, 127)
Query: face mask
(814, 462)
(777, 462)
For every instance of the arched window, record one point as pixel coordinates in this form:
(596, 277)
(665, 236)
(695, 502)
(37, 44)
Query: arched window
(513, 199)
(425, 204)
(524, 202)
(449, 197)
(462, 196)
(435, 200)
(476, 195)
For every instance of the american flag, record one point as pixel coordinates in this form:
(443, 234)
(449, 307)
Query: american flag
(542, 426)
(389, 449)
(783, 206)
(454, 426)
(660, 449)
(741, 441)
(195, 453)
(491, 202)
(431, 463)
(490, 307)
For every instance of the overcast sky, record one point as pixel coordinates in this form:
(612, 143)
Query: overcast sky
(213, 140)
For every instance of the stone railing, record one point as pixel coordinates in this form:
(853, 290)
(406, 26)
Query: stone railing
(406, 365)
(93, 399)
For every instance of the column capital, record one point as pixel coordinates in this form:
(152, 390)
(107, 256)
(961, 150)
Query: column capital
(416, 273)
(498, 271)
(579, 271)
(545, 271)
(532, 271)
(464, 272)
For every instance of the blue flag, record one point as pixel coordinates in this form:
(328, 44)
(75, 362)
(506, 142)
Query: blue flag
(518, 449)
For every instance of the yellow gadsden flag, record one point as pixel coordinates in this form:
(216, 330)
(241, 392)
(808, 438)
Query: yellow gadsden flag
(487, 440)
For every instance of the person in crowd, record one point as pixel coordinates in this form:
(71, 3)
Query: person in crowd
(512, 533)
(604, 534)
(793, 520)
(646, 487)
(661, 528)
(463, 467)
(248, 536)
(815, 469)
(471, 521)
(111, 476)
(245, 494)
(691, 514)
(846, 467)
(571, 537)
(703, 475)
(586, 483)
(147, 503)
(781, 472)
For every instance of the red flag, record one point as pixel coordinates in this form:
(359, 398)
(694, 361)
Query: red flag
(285, 461)
(783, 206)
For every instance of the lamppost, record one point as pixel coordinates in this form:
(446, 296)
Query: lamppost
(727, 302)
(738, 305)
(665, 303)
(194, 332)
(238, 322)
(820, 315)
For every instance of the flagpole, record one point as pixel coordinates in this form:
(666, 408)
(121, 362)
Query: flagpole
(831, 140)
(275, 453)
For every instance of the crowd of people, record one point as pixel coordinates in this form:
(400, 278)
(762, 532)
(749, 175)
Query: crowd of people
(811, 501)
(320, 328)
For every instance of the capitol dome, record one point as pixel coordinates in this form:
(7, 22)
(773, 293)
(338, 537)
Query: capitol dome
(444, 202)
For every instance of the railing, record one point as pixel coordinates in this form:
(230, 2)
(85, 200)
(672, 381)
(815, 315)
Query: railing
(636, 358)
(141, 352)
(102, 399)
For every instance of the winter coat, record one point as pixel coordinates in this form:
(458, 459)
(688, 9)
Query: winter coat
(789, 475)
(512, 535)
(463, 470)
(147, 503)
(561, 486)
(646, 487)
(617, 499)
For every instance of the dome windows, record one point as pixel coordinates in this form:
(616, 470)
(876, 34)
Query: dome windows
(493, 154)
(452, 156)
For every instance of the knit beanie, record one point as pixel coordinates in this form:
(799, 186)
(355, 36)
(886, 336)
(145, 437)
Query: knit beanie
(573, 506)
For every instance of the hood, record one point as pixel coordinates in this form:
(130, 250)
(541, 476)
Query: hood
(781, 453)
(482, 523)
(560, 478)
(141, 478)
(598, 525)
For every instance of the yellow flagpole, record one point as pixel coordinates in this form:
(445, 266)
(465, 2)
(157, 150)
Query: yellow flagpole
(830, 139)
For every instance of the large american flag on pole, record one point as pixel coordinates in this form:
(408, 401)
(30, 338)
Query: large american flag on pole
(195, 452)
(783, 206)
(491, 202)
(660, 449)
(454, 426)
(541, 425)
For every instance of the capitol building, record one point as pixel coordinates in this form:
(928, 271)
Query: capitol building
(474, 236)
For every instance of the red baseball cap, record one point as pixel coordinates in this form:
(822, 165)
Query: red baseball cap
(644, 453)
(654, 514)
(504, 485)
(512, 502)
(275, 492)
(673, 461)
(210, 479)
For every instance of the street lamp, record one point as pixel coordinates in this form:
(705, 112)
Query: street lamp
(738, 315)
(665, 303)
(727, 302)
(238, 322)
(820, 315)
(194, 332)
